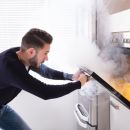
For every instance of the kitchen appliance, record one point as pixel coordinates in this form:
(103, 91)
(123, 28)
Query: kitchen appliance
(102, 112)
(121, 39)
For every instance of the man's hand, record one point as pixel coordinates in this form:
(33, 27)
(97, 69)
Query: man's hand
(83, 79)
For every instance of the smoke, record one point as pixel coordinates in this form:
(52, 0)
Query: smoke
(98, 55)
(115, 55)
(91, 89)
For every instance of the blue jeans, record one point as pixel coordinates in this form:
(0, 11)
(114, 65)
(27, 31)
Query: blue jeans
(10, 120)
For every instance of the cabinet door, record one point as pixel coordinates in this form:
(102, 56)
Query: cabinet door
(119, 116)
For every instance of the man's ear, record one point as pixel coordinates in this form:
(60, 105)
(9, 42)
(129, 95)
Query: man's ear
(31, 52)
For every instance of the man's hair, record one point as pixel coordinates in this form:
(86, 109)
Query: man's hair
(35, 38)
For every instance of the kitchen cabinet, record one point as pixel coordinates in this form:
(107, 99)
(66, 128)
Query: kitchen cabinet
(119, 116)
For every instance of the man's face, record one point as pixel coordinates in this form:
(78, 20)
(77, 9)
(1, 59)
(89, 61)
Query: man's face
(40, 56)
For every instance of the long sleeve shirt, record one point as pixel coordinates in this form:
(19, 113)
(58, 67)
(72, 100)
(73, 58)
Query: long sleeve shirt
(14, 77)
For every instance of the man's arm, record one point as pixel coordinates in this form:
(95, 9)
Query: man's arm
(47, 72)
(42, 90)
(18, 77)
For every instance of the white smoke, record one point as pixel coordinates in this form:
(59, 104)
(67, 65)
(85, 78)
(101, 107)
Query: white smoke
(99, 55)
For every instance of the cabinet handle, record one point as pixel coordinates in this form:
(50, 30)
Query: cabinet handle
(114, 105)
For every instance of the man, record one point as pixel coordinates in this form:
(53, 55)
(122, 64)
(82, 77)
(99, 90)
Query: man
(14, 77)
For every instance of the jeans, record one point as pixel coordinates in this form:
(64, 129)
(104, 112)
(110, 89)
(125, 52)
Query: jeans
(10, 120)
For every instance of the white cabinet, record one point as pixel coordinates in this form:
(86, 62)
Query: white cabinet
(119, 117)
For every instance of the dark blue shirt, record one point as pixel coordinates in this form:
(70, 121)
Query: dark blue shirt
(14, 77)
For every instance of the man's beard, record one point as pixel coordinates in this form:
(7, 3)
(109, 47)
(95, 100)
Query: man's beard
(33, 61)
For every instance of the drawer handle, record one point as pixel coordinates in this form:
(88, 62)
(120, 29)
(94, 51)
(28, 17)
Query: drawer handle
(82, 112)
(82, 124)
(82, 116)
